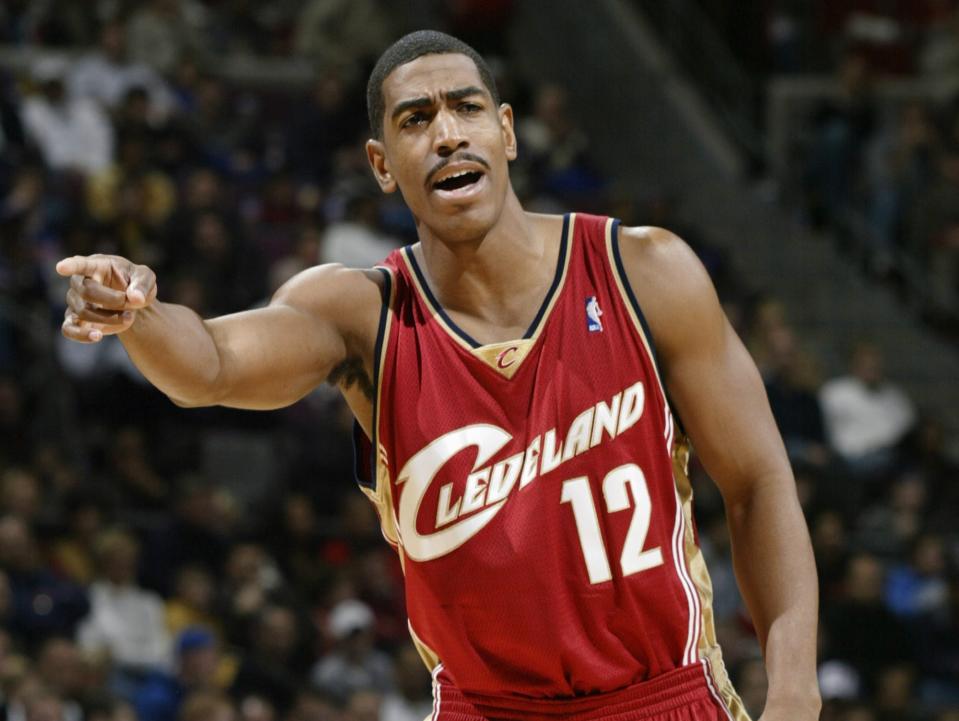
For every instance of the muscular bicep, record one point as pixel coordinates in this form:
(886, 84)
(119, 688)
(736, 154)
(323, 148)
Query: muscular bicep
(711, 378)
(271, 357)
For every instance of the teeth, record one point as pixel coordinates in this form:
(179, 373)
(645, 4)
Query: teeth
(457, 175)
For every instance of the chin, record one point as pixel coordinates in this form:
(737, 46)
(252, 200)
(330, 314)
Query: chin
(464, 225)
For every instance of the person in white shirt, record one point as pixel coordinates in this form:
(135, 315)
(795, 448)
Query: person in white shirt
(356, 241)
(72, 134)
(866, 415)
(126, 622)
(105, 75)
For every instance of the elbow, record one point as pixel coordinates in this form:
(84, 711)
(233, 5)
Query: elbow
(188, 402)
(194, 400)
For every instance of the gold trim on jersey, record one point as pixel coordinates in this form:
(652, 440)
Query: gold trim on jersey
(381, 494)
(429, 656)
(506, 357)
(706, 643)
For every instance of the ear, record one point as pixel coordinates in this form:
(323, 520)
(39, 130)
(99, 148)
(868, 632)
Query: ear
(376, 154)
(506, 126)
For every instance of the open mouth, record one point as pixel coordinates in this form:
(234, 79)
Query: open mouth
(458, 181)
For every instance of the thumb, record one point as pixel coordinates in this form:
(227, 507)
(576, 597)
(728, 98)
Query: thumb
(135, 296)
(140, 287)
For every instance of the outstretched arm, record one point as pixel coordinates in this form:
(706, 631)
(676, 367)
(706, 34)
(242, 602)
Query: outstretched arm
(719, 395)
(258, 359)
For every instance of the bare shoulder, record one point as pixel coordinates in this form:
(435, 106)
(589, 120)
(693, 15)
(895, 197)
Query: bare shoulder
(672, 286)
(349, 299)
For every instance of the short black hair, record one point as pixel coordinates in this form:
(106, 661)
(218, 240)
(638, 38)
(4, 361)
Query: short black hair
(407, 49)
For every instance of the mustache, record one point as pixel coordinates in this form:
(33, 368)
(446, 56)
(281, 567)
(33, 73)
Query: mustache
(453, 159)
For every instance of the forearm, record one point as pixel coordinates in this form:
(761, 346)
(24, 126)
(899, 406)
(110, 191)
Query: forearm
(774, 564)
(174, 350)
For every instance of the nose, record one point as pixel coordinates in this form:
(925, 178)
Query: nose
(448, 134)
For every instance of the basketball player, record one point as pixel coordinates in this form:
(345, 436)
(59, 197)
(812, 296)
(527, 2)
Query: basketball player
(526, 384)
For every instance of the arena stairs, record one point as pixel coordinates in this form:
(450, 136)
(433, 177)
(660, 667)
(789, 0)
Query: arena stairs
(652, 131)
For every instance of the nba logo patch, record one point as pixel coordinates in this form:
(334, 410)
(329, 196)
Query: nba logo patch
(593, 313)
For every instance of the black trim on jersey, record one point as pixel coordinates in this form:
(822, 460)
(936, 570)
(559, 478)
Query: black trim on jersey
(557, 278)
(621, 270)
(370, 482)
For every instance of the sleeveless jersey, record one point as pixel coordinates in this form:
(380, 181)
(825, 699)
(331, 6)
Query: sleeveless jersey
(536, 489)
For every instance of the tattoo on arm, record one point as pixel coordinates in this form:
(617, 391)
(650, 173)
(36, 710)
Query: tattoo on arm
(349, 373)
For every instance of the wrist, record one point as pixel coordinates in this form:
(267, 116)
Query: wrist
(807, 702)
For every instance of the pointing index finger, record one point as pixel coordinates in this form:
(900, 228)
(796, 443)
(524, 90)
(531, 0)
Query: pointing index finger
(77, 265)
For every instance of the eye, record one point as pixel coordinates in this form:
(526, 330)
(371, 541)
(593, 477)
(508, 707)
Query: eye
(469, 108)
(413, 120)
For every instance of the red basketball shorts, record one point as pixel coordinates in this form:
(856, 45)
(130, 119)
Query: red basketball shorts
(685, 694)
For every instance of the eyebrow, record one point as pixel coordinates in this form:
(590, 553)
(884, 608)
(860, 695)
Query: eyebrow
(457, 94)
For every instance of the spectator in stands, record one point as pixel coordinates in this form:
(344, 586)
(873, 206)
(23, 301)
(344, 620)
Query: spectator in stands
(354, 664)
(841, 130)
(936, 643)
(341, 33)
(71, 133)
(73, 553)
(161, 31)
(901, 167)
(192, 603)
(312, 706)
(126, 622)
(20, 495)
(412, 700)
(934, 231)
(133, 475)
(556, 150)
(62, 669)
(132, 200)
(270, 667)
(363, 705)
(895, 693)
(861, 630)
(251, 580)
(43, 605)
(830, 545)
(206, 706)
(198, 660)
(866, 415)
(356, 241)
(920, 588)
(256, 708)
(325, 122)
(46, 705)
(939, 54)
(791, 383)
(105, 75)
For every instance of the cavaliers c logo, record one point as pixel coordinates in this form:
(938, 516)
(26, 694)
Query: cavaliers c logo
(507, 354)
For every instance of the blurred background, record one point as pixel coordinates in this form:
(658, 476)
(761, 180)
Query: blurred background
(158, 564)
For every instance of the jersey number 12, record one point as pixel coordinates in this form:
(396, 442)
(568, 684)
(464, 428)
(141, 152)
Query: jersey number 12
(576, 492)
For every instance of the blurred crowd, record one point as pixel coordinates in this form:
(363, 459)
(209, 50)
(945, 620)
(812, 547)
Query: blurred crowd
(883, 175)
(161, 564)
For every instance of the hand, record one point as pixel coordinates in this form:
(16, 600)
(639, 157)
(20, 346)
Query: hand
(106, 291)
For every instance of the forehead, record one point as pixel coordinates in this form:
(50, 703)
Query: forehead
(430, 75)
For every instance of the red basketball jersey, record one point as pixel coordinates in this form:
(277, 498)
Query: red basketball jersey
(536, 489)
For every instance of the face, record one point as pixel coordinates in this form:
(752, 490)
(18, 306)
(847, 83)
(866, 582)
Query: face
(445, 146)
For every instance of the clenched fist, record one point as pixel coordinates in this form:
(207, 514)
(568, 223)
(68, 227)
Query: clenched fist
(106, 291)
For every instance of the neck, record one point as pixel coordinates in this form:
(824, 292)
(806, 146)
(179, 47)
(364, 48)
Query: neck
(488, 276)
